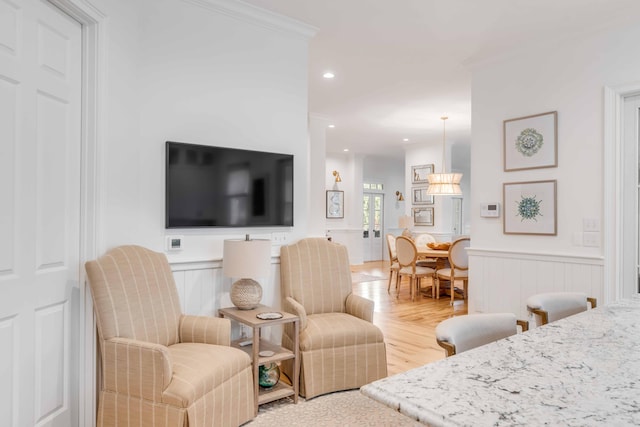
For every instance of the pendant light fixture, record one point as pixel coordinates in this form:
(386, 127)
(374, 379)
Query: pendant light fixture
(444, 184)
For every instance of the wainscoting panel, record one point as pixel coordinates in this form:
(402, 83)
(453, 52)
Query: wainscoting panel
(203, 290)
(501, 281)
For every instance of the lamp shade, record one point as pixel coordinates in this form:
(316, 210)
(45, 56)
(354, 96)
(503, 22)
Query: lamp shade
(405, 221)
(444, 184)
(246, 258)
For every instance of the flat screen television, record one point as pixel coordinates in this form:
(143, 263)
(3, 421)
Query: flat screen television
(227, 187)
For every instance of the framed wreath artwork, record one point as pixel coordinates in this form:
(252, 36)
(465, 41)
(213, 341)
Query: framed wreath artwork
(531, 142)
(530, 207)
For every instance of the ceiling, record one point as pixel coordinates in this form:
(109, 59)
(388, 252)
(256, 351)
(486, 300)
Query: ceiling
(401, 64)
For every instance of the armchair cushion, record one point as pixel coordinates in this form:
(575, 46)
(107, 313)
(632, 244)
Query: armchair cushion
(331, 330)
(194, 375)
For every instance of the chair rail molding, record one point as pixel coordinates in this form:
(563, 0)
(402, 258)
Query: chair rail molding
(257, 16)
(502, 280)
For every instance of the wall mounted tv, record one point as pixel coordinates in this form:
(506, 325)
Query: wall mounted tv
(227, 187)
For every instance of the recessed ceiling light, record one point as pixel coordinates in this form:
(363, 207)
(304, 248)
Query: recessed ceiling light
(405, 139)
(332, 126)
(328, 75)
(345, 150)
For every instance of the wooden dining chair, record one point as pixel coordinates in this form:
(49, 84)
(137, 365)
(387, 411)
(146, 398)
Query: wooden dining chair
(462, 333)
(422, 240)
(407, 256)
(393, 260)
(458, 270)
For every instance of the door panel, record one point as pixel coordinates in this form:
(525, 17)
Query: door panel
(40, 125)
(372, 225)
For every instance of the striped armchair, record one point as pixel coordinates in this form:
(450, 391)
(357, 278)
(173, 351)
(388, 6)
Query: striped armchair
(340, 348)
(160, 367)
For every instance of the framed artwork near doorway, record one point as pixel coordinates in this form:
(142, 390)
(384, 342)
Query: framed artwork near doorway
(423, 216)
(420, 173)
(335, 204)
(420, 196)
(530, 207)
(531, 142)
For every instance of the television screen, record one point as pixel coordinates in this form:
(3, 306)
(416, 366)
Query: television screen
(227, 187)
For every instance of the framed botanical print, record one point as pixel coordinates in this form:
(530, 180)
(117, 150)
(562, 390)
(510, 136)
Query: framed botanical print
(420, 173)
(531, 142)
(423, 216)
(420, 196)
(530, 207)
(335, 204)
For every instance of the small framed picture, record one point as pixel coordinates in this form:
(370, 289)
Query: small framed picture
(420, 173)
(530, 207)
(335, 204)
(531, 142)
(420, 196)
(423, 216)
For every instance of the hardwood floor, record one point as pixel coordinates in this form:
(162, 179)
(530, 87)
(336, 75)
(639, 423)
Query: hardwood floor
(408, 326)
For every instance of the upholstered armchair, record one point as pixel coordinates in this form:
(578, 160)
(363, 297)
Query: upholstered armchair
(159, 366)
(340, 348)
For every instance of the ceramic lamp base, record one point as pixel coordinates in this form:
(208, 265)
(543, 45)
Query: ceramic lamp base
(246, 294)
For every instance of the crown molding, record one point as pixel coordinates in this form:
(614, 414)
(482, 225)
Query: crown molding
(257, 16)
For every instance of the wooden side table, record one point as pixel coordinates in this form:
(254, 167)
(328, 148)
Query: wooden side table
(248, 317)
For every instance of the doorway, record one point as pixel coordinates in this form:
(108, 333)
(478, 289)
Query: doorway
(372, 225)
(630, 197)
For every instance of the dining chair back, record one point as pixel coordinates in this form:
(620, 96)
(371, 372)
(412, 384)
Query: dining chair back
(551, 306)
(462, 333)
(458, 267)
(393, 260)
(407, 256)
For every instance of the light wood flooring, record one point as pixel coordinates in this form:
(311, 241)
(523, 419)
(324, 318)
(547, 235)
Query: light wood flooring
(408, 326)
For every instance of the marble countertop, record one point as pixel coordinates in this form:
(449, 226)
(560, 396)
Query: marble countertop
(579, 371)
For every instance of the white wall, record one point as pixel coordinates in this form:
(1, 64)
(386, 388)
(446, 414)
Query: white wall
(569, 78)
(179, 71)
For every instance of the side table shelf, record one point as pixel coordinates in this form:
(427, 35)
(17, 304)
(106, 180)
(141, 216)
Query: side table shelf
(248, 318)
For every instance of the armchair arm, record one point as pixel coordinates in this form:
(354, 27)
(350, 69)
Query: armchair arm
(205, 330)
(360, 307)
(292, 306)
(136, 368)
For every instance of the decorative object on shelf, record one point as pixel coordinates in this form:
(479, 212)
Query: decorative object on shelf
(399, 196)
(269, 375)
(531, 142)
(421, 196)
(337, 175)
(420, 173)
(269, 315)
(530, 207)
(248, 259)
(335, 204)
(405, 222)
(423, 216)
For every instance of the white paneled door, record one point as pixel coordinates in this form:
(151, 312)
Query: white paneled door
(40, 131)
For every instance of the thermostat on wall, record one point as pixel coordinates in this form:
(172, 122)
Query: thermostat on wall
(490, 210)
(174, 243)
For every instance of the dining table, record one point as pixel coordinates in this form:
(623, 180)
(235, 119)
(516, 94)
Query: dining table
(583, 370)
(425, 252)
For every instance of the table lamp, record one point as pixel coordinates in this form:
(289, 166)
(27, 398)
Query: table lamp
(247, 259)
(405, 221)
